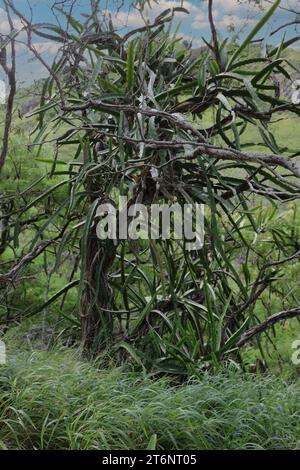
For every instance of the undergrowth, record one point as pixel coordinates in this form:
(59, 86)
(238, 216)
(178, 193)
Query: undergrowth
(55, 400)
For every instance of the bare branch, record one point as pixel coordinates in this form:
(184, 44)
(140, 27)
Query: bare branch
(220, 153)
(10, 72)
(11, 276)
(214, 33)
(29, 29)
(258, 329)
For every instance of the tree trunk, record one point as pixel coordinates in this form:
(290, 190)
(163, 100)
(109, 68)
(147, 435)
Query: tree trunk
(96, 321)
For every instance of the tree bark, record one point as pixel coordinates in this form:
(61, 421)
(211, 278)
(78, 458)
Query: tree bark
(96, 321)
(278, 317)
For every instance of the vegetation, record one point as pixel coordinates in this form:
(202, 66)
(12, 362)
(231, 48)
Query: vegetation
(53, 400)
(111, 342)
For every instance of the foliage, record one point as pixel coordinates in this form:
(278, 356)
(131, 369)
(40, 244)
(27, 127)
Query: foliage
(123, 106)
(53, 400)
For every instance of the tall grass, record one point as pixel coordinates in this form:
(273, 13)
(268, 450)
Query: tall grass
(54, 400)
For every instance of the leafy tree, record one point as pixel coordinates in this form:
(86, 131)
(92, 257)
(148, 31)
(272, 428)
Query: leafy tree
(147, 120)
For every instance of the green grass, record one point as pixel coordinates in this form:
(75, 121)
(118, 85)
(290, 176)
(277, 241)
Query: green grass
(54, 400)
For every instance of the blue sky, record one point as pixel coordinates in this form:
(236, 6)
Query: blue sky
(228, 13)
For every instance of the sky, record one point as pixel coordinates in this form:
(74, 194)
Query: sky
(237, 15)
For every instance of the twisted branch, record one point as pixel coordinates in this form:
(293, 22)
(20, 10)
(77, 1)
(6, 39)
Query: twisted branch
(258, 329)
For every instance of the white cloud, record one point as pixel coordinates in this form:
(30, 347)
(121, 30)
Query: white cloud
(195, 42)
(294, 4)
(28, 68)
(134, 19)
(228, 20)
(4, 24)
(223, 22)
(228, 4)
(47, 47)
(241, 4)
(226, 12)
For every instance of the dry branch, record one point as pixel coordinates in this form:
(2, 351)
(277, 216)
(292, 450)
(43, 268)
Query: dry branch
(278, 317)
(11, 276)
(11, 76)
